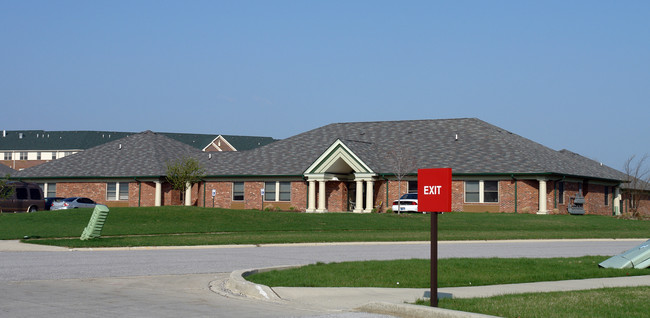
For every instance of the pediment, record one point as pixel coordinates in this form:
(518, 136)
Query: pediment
(338, 159)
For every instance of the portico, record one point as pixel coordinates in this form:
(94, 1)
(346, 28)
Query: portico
(338, 164)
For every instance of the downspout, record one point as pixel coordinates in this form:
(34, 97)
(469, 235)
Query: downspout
(307, 192)
(204, 193)
(513, 178)
(613, 207)
(387, 201)
(555, 195)
(139, 191)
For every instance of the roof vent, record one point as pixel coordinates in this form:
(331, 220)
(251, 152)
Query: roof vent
(209, 156)
(456, 137)
(20, 135)
(4, 133)
(119, 147)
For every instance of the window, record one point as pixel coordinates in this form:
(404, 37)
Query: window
(277, 191)
(51, 189)
(53, 155)
(491, 191)
(124, 191)
(481, 191)
(413, 187)
(23, 155)
(472, 191)
(35, 194)
(38, 155)
(269, 191)
(238, 191)
(117, 191)
(285, 191)
(7, 156)
(606, 196)
(560, 190)
(111, 189)
(21, 193)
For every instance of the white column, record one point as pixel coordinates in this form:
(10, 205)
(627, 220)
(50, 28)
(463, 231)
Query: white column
(311, 205)
(369, 196)
(322, 200)
(158, 197)
(617, 201)
(188, 194)
(542, 197)
(358, 206)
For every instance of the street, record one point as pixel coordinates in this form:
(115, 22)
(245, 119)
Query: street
(175, 282)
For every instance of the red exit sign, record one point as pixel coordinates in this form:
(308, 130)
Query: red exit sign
(434, 190)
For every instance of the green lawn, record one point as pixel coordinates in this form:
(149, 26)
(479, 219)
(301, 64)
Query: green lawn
(631, 302)
(453, 272)
(206, 226)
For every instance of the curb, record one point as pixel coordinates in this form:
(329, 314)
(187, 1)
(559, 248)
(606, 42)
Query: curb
(237, 285)
(416, 311)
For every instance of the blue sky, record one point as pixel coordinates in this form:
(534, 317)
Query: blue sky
(567, 74)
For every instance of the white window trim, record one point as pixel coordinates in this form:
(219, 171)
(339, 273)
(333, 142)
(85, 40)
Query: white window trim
(244, 191)
(277, 192)
(117, 191)
(481, 191)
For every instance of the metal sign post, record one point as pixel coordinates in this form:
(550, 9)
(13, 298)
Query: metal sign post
(434, 196)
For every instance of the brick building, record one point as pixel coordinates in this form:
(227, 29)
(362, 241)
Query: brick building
(344, 167)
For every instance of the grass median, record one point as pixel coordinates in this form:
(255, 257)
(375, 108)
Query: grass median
(466, 272)
(452, 272)
(629, 302)
(175, 225)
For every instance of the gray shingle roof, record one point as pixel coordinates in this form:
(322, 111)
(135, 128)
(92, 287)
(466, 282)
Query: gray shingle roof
(480, 148)
(4, 170)
(143, 154)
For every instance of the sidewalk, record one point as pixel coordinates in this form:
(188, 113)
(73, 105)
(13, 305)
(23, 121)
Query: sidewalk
(17, 246)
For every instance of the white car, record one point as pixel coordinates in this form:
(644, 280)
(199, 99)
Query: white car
(406, 203)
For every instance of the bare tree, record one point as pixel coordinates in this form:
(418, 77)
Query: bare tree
(637, 172)
(184, 172)
(403, 162)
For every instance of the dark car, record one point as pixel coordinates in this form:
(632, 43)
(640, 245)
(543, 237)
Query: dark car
(73, 203)
(50, 200)
(21, 197)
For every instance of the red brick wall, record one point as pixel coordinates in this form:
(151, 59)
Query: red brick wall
(93, 190)
(252, 196)
(143, 193)
(299, 190)
(594, 198)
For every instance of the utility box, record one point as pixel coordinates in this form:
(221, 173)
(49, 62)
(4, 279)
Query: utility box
(96, 223)
(638, 257)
